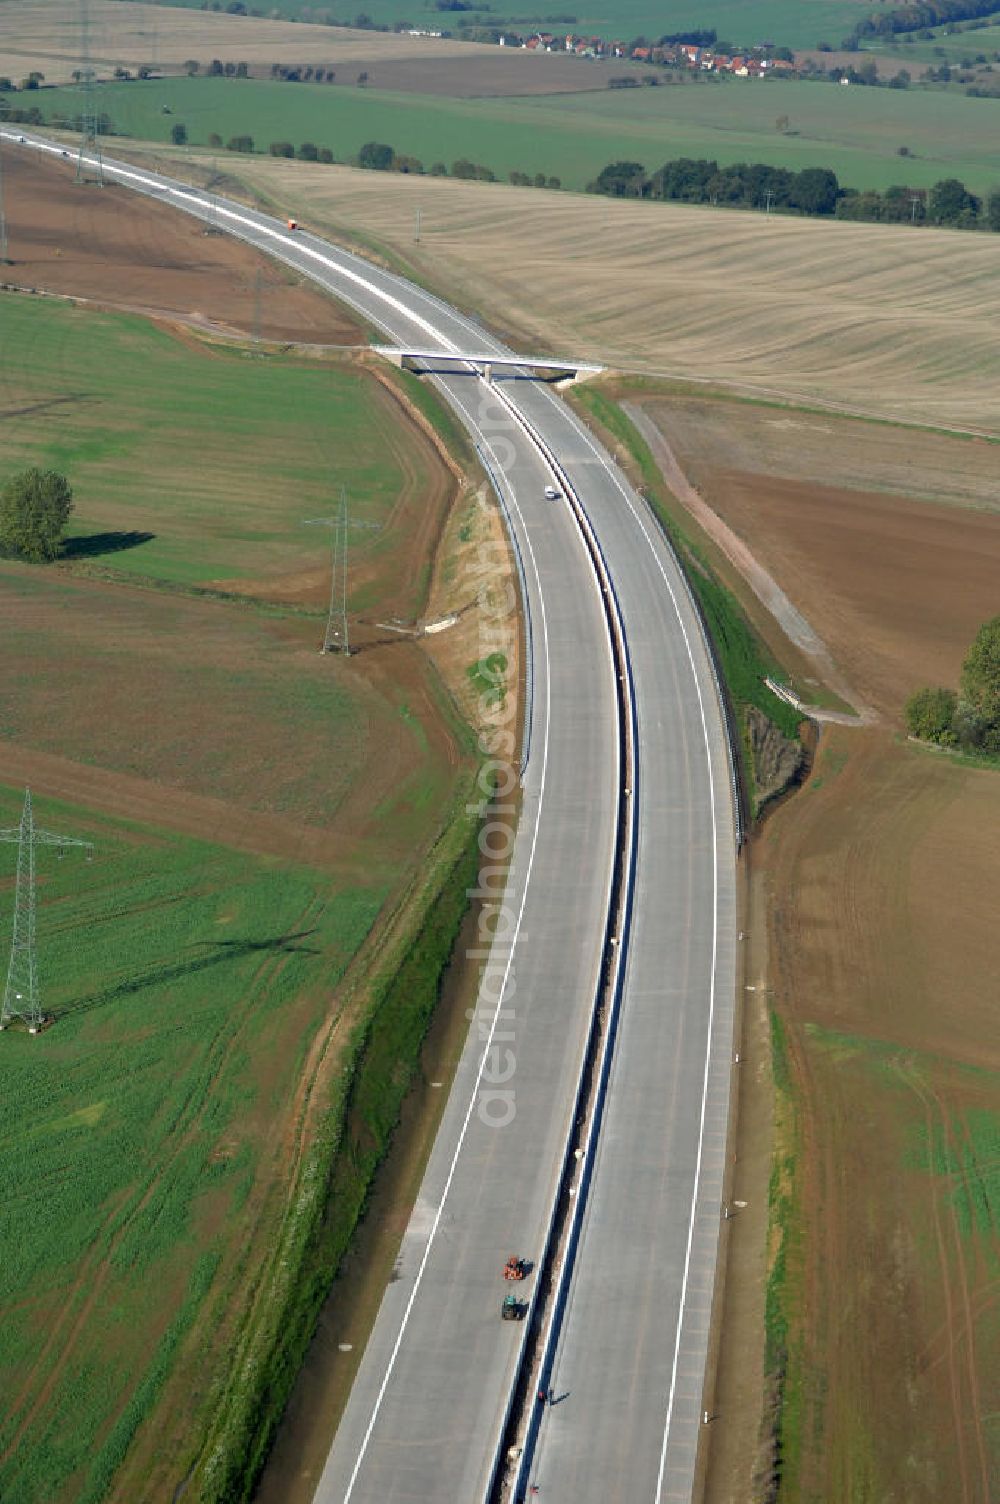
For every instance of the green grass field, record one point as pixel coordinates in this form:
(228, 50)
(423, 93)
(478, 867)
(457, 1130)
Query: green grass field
(187, 982)
(855, 131)
(103, 399)
(794, 23)
(157, 1133)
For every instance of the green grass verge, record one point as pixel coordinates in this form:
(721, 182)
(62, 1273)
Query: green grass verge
(487, 676)
(186, 980)
(744, 660)
(857, 132)
(782, 1371)
(338, 1177)
(431, 405)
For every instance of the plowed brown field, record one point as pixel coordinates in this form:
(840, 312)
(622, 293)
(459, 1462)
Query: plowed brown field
(48, 38)
(896, 583)
(123, 251)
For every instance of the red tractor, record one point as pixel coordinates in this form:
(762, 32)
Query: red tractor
(515, 1268)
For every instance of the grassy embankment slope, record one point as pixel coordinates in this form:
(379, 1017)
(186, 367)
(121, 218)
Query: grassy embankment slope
(222, 1003)
(856, 132)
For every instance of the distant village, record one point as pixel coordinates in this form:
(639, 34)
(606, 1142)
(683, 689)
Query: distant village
(682, 54)
(752, 64)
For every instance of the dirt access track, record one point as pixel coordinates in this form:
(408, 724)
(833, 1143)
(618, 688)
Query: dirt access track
(122, 251)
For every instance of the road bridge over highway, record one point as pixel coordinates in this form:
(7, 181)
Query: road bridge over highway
(487, 363)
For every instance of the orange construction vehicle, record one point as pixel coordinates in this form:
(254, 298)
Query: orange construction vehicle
(293, 224)
(515, 1268)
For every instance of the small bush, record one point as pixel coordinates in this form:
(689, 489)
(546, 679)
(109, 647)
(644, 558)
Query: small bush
(930, 715)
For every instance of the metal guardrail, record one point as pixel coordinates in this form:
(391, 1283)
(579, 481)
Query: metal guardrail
(555, 1265)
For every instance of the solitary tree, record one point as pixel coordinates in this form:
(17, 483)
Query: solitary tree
(178, 134)
(34, 509)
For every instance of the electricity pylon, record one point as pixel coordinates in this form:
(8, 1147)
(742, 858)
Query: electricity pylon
(336, 637)
(21, 998)
(89, 141)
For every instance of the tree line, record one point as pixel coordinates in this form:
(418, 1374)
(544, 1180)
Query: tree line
(377, 156)
(813, 191)
(689, 180)
(949, 202)
(968, 719)
(921, 15)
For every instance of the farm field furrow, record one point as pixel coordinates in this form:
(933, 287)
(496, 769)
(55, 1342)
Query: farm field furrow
(798, 491)
(885, 320)
(883, 986)
(185, 981)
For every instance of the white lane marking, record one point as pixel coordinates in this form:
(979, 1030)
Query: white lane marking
(496, 1014)
(588, 440)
